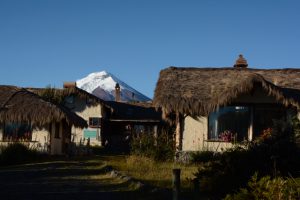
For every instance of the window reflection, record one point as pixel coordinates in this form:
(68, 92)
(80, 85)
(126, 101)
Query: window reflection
(229, 123)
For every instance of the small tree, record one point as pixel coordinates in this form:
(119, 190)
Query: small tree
(51, 94)
(157, 148)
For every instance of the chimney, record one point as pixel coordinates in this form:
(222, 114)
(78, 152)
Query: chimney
(241, 62)
(69, 84)
(118, 92)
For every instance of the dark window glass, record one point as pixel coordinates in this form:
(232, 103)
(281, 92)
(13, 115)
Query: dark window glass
(229, 123)
(94, 122)
(17, 132)
(264, 117)
(69, 99)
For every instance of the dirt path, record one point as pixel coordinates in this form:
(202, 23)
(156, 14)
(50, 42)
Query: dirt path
(65, 180)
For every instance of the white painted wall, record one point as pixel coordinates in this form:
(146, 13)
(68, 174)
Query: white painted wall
(41, 139)
(84, 110)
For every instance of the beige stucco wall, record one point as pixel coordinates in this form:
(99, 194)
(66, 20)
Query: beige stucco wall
(41, 139)
(195, 136)
(84, 110)
(194, 132)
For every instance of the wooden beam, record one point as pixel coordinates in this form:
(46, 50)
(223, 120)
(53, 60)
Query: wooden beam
(178, 132)
(250, 130)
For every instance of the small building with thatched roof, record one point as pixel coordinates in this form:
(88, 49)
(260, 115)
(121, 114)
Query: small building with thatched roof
(25, 116)
(90, 108)
(84, 104)
(109, 122)
(215, 107)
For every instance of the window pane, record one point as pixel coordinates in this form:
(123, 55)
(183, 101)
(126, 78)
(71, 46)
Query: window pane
(15, 131)
(229, 122)
(94, 122)
(264, 116)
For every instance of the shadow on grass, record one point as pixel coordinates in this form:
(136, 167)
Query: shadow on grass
(83, 179)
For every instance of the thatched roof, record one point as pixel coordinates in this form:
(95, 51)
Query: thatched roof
(20, 105)
(60, 94)
(199, 91)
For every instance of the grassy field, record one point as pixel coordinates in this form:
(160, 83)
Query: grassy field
(90, 178)
(63, 179)
(158, 174)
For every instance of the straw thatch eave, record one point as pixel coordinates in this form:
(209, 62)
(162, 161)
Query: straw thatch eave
(20, 105)
(199, 91)
(133, 111)
(63, 93)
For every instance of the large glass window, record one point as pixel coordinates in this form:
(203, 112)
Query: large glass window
(229, 123)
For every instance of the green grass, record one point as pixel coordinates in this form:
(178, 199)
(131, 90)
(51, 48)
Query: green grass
(151, 172)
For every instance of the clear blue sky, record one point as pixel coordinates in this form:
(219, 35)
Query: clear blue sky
(46, 42)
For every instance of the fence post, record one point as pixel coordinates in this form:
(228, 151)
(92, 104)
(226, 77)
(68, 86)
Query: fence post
(176, 184)
(196, 184)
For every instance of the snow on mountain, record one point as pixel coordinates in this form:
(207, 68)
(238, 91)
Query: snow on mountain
(102, 84)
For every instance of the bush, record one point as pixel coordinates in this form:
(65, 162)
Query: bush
(203, 156)
(273, 156)
(17, 153)
(146, 145)
(267, 188)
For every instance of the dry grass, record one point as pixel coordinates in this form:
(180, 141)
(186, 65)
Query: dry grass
(152, 172)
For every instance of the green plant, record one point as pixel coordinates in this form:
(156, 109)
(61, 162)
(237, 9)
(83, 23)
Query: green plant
(156, 173)
(275, 155)
(203, 156)
(147, 145)
(267, 188)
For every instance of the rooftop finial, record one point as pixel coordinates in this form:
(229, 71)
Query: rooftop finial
(117, 92)
(241, 62)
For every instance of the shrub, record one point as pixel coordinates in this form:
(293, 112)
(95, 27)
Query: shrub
(146, 145)
(271, 156)
(267, 188)
(203, 156)
(17, 153)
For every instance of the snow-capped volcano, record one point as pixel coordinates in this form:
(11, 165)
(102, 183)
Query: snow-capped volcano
(102, 84)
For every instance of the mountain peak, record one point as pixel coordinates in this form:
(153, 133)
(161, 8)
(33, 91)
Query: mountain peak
(102, 73)
(102, 84)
